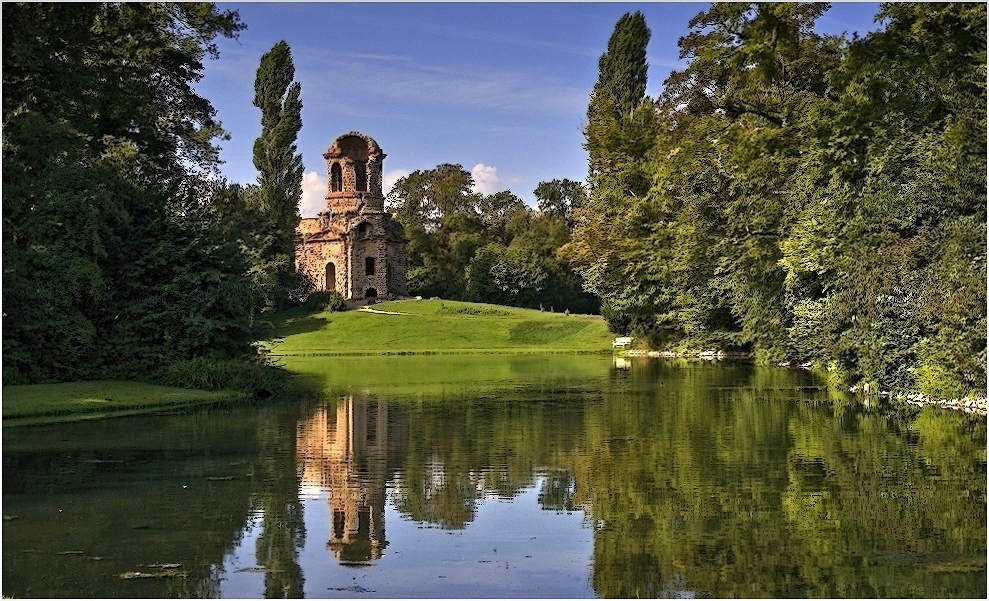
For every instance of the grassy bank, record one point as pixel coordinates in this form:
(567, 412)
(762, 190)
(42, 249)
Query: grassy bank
(48, 403)
(398, 327)
(437, 326)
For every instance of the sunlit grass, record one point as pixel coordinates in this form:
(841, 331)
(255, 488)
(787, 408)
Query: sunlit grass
(438, 326)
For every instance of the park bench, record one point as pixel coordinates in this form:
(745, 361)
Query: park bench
(622, 342)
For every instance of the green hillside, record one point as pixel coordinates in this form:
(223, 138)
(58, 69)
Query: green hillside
(421, 326)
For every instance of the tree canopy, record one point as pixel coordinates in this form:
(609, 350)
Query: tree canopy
(492, 248)
(803, 196)
(114, 263)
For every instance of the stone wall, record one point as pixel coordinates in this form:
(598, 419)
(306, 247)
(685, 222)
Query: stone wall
(398, 266)
(374, 249)
(313, 257)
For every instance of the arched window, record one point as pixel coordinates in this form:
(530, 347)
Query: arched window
(371, 293)
(360, 177)
(336, 178)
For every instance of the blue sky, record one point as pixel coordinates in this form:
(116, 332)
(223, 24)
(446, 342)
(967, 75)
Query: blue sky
(500, 88)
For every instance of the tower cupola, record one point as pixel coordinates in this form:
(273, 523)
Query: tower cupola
(353, 174)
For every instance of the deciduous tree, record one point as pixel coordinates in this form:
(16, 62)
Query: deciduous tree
(103, 137)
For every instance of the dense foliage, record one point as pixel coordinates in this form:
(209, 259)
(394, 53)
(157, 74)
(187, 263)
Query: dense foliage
(117, 257)
(488, 248)
(802, 196)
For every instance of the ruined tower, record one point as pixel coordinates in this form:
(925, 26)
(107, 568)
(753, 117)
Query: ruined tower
(354, 246)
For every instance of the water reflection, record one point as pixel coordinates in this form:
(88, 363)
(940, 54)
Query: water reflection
(344, 450)
(509, 477)
(283, 529)
(85, 503)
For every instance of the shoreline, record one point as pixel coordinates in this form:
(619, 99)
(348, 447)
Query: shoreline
(974, 406)
(970, 405)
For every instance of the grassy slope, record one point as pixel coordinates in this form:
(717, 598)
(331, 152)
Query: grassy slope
(43, 403)
(427, 326)
(439, 326)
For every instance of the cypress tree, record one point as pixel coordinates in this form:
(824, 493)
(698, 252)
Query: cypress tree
(620, 119)
(279, 168)
(622, 69)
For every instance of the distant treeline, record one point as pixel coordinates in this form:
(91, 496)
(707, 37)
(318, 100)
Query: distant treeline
(807, 197)
(464, 245)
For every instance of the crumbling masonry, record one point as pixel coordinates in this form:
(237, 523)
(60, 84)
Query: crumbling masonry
(354, 246)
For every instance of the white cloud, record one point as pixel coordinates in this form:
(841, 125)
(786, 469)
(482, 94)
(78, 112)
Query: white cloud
(313, 194)
(485, 178)
(389, 178)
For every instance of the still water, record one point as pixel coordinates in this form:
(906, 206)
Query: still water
(506, 476)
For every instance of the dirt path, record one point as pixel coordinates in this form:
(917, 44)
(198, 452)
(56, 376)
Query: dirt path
(370, 310)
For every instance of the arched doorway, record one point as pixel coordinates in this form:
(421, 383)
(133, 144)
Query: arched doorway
(331, 277)
(371, 293)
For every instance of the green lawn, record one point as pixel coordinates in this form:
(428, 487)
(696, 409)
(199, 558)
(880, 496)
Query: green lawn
(423, 326)
(43, 403)
(416, 327)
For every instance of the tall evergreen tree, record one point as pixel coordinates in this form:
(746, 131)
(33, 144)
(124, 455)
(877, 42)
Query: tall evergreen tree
(620, 119)
(280, 170)
(622, 70)
(622, 127)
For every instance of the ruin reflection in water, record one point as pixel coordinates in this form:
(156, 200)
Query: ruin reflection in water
(343, 450)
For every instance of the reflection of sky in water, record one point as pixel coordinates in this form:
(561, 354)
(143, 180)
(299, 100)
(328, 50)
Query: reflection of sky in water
(239, 579)
(513, 548)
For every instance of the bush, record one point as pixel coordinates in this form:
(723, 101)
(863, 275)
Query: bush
(253, 378)
(938, 382)
(325, 300)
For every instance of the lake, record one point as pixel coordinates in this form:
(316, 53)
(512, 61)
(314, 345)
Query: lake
(506, 476)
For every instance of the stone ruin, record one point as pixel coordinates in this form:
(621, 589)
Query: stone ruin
(354, 246)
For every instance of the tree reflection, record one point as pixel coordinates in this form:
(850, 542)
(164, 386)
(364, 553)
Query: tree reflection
(698, 480)
(557, 491)
(747, 488)
(283, 530)
(459, 453)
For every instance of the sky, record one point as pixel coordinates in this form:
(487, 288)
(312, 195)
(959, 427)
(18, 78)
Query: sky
(498, 88)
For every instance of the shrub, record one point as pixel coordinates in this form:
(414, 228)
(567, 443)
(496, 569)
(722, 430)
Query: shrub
(325, 300)
(254, 378)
